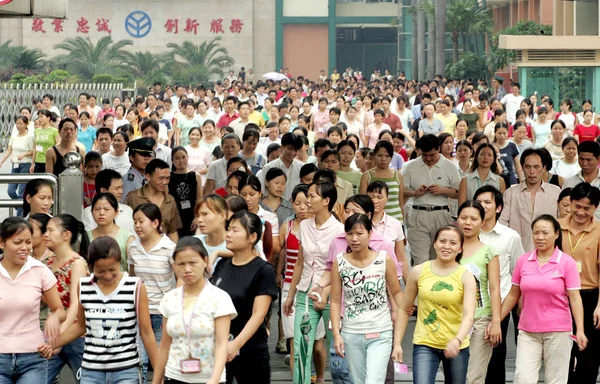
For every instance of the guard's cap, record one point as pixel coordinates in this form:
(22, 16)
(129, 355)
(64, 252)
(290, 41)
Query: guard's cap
(499, 79)
(143, 146)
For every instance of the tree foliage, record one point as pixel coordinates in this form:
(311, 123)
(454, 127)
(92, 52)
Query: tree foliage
(466, 17)
(470, 65)
(189, 62)
(499, 58)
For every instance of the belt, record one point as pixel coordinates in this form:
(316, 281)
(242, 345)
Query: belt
(431, 208)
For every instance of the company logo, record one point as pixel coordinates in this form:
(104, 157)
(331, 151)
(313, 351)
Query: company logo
(4, 2)
(138, 24)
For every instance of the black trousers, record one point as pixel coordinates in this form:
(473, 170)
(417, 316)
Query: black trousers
(584, 365)
(496, 373)
(250, 368)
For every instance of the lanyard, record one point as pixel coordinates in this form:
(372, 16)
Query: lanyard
(188, 329)
(573, 248)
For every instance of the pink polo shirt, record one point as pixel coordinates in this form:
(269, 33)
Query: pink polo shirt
(20, 307)
(315, 245)
(544, 291)
(378, 243)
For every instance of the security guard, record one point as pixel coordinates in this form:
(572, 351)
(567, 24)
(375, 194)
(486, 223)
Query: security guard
(140, 153)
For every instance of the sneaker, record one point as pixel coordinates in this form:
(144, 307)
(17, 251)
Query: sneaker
(281, 347)
(286, 360)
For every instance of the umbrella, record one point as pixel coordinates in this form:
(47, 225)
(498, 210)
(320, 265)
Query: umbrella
(275, 76)
(303, 352)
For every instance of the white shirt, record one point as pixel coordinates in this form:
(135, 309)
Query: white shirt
(506, 242)
(443, 173)
(512, 104)
(164, 153)
(292, 173)
(218, 172)
(124, 219)
(120, 164)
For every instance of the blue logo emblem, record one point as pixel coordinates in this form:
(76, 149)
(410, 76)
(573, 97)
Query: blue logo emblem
(138, 24)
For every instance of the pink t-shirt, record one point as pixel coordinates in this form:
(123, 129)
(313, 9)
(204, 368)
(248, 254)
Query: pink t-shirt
(20, 307)
(544, 290)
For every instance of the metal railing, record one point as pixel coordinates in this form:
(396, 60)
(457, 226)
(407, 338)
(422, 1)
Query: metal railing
(23, 178)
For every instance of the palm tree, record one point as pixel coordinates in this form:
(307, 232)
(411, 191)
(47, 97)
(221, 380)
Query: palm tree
(429, 9)
(414, 42)
(440, 36)
(146, 64)
(421, 39)
(86, 59)
(197, 63)
(25, 59)
(466, 17)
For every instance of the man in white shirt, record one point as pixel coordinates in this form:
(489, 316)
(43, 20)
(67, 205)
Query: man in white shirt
(261, 96)
(150, 128)
(507, 244)
(240, 123)
(430, 180)
(290, 144)
(512, 102)
(232, 78)
(108, 180)
(47, 100)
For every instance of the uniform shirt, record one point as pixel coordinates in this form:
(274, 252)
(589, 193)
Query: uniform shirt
(585, 249)
(544, 292)
(443, 173)
(507, 245)
(171, 221)
(519, 212)
(132, 180)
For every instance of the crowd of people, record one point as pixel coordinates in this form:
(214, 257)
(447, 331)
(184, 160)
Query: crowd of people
(355, 204)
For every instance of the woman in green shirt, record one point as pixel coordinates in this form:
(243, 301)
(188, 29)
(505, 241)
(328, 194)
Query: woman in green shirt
(46, 136)
(468, 115)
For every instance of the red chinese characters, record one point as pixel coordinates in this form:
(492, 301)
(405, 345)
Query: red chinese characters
(102, 25)
(38, 25)
(58, 25)
(83, 25)
(216, 26)
(191, 25)
(172, 26)
(236, 26)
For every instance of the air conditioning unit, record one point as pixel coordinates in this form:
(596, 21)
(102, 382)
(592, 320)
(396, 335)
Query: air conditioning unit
(56, 9)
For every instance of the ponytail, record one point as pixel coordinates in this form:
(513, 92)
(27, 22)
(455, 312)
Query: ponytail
(78, 233)
(268, 241)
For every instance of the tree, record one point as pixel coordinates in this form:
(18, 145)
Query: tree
(466, 17)
(440, 36)
(429, 9)
(470, 65)
(414, 41)
(191, 63)
(86, 59)
(500, 58)
(420, 39)
(25, 59)
(147, 66)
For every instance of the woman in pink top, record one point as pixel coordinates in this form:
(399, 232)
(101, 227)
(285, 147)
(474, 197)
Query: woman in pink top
(373, 130)
(315, 235)
(549, 282)
(23, 282)
(320, 117)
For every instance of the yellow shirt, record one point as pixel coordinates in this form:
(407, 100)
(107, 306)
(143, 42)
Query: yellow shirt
(257, 118)
(449, 122)
(440, 308)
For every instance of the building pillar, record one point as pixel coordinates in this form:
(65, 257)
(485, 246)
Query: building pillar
(523, 80)
(278, 34)
(596, 88)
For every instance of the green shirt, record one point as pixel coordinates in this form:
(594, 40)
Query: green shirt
(470, 118)
(44, 139)
(353, 177)
(478, 266)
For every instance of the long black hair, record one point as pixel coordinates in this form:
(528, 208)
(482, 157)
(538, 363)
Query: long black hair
(31, 189)
(551, 219)
(69, 223)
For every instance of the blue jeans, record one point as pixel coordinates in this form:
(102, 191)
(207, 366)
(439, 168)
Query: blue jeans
(23, 368)
(125, 376)
(368, 358)
(338, 367)
(157, 321)
(426, 361)
(71, 355)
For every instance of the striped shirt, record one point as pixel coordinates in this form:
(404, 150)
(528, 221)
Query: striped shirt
(111, 323)
(392, 207)
(291, 252)
(155, 268)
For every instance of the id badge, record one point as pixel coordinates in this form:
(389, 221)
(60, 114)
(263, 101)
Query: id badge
(16, 165)
(401, 368)
(39, 148)
(185, 204)
(191, 365)
(374, 335)
(579, 267)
